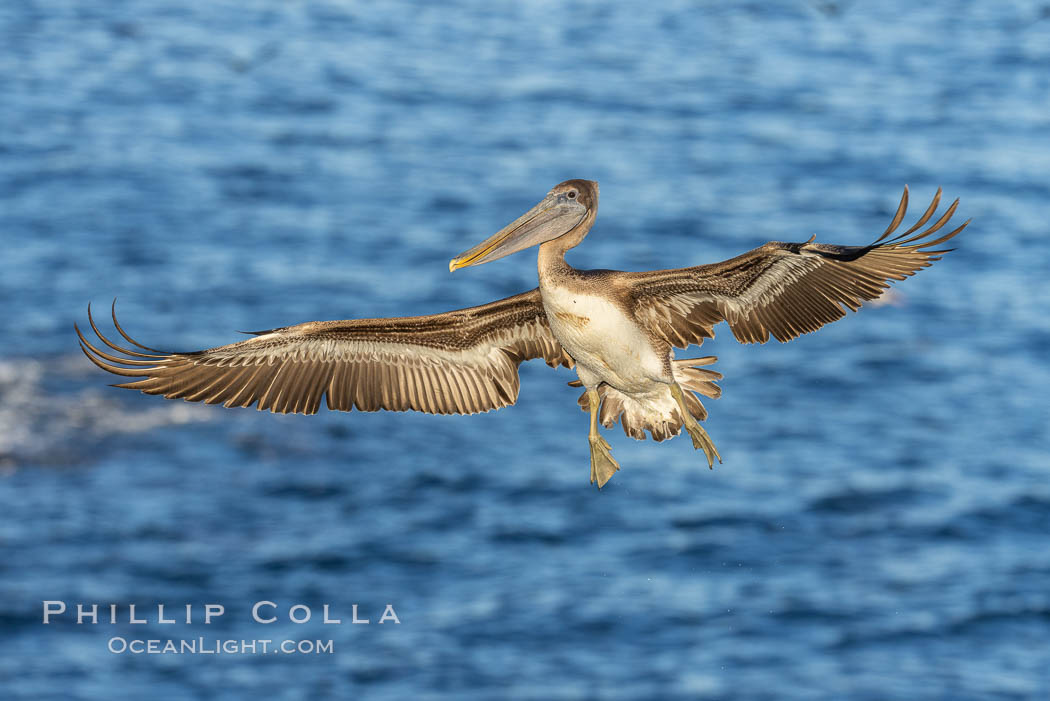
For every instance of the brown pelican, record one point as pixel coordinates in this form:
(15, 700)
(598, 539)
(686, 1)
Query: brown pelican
(617, 329)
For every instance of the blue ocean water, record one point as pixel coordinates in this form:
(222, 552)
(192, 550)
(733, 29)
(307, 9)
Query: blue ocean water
(879, 527)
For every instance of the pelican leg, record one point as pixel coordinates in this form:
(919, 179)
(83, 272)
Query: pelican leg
(700, 438)
(602, 464)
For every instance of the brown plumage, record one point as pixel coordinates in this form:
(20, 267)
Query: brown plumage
(617, 329)
(783, 289)
(459, 362)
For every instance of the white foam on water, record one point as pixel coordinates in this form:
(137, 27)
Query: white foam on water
(47, 405)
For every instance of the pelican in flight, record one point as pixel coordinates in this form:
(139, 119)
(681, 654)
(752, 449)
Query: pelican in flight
(617, 329)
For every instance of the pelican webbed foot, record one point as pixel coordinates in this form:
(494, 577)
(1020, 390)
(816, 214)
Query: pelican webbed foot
(603, 466)
(701, 441)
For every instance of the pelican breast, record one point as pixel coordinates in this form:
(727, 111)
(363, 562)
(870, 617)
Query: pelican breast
(602, 338)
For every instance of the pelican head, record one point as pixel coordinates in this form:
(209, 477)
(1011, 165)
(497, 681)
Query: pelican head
(560, 212)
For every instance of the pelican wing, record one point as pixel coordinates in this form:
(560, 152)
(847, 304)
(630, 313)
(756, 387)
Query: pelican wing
(783, 289)
(459, 362)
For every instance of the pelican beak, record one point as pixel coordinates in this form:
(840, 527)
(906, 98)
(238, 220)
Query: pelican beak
(552, 217)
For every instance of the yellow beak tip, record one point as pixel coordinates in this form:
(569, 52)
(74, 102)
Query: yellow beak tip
(452, 265)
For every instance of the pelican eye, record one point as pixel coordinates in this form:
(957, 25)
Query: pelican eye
(571, 195)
